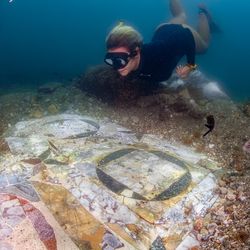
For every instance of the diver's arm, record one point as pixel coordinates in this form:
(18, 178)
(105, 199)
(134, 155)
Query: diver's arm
(191, 59)
(190, 54)
(184, 71)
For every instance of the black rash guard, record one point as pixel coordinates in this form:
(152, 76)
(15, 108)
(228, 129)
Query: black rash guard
(160, 57)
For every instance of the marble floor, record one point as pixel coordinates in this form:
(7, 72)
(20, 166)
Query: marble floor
(72, 182)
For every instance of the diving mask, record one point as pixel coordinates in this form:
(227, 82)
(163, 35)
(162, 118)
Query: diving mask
(118, 60)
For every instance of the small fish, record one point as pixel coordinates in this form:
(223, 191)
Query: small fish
(210, 124)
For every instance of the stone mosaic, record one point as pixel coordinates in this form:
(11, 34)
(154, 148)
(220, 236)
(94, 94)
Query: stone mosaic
(104, 187)
(14, 210)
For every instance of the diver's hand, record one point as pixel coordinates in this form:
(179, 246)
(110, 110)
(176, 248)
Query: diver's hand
(183, 71)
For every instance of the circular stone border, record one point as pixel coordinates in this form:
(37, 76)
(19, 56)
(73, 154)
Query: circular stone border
(117, 187)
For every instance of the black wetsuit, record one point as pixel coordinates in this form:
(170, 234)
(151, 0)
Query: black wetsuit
(160, 57)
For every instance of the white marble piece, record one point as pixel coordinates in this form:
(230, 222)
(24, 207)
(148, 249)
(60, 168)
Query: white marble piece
(3, 181)
(188, 243)
(9, 204)
(59, 126)
(33, 145)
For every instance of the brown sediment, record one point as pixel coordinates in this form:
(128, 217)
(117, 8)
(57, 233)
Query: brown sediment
(4, 148)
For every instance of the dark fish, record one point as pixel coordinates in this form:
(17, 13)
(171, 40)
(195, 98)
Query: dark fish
(210, 124)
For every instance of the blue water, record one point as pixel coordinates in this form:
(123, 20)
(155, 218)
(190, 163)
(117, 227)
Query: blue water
(43, 40)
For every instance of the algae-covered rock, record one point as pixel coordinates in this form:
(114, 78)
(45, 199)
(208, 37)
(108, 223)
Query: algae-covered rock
(36, 113)
(106, 84)
(246, 109)
(53, 109)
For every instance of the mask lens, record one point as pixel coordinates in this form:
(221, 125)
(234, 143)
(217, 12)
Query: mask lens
(109, 61)
(121, 62)
(117, 60)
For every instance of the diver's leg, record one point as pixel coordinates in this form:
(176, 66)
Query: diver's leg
(206, 25)
(201, 45)
(203, 28)
(202, 34)
(179, 15)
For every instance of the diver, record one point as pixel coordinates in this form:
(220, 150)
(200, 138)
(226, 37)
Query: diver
(156, 60)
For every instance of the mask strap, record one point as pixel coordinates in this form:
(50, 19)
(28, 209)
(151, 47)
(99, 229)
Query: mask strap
(133, 53)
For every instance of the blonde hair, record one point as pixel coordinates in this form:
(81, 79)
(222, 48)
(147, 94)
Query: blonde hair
(123, 36)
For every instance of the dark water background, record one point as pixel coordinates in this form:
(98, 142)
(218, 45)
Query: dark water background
(44, 40)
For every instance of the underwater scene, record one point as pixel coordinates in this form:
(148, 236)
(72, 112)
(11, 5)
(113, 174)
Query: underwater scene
(124, 125)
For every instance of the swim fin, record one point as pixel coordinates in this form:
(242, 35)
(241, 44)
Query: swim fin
(214, 28)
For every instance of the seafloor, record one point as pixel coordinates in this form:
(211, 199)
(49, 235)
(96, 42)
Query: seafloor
(174, 116)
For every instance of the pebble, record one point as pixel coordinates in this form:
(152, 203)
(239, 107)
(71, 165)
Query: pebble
(211, 228)
(231, 196)
(241, 196)
(223, 190)
(198, 224)
(135, 119)
(246, 147)
(221, 183)
(204, 232)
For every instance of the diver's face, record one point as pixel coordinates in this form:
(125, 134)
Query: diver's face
(133, 62)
